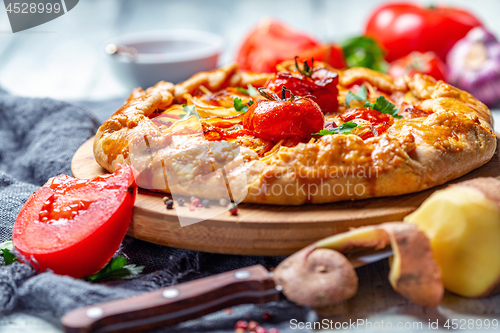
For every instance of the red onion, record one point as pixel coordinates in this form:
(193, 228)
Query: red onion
(474, 65)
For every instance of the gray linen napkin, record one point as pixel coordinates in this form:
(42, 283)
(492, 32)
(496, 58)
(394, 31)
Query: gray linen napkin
(38, 138)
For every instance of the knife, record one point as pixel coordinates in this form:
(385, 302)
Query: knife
(188, 300)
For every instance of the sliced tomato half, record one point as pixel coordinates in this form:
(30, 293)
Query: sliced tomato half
(74, 226)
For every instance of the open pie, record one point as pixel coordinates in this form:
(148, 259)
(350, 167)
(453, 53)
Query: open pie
(375, 136)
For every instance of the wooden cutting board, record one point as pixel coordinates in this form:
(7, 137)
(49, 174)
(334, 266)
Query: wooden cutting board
(259, 229)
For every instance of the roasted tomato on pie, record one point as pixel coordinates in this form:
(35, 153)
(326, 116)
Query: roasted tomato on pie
(277, 118)
(309, 81)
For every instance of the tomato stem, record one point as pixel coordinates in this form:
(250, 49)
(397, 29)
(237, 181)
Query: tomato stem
(283, 98)
(306, 69)
(283, 93)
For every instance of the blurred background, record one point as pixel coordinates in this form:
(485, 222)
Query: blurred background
(64, 58)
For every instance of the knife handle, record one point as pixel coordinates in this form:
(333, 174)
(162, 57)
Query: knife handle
(172, 305)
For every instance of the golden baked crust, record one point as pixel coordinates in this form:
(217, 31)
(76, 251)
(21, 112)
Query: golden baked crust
(413, 155)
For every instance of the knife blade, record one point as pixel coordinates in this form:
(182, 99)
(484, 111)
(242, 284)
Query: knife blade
(188, 300)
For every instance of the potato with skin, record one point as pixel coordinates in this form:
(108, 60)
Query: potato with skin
(317, 277)
(463, 225)
(414, 273)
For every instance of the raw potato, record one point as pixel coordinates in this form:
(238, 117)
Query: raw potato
(463, 225)
(414, 273)
(317, 277)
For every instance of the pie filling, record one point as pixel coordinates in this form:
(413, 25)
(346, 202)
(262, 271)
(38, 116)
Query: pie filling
(245, 117)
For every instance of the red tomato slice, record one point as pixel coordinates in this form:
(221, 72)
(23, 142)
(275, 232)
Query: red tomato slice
(271, 42)
(74, 226)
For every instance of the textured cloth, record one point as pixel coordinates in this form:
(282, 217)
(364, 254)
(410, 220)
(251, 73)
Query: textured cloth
(38, 138)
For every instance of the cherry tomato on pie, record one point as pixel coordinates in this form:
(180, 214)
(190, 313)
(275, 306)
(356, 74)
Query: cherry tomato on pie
(402, 27)
(272, 42)
(278, 119)
(320, 83)
(74, 226)
(417, 62)
(378, 120)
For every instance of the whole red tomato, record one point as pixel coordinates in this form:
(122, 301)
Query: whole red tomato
(417, 62)
(272, 42)
(320, 83)
(404, 27)
(280, 119)
(74, 226)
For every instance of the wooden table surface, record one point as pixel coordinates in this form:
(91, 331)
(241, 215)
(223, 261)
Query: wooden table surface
(63, 59)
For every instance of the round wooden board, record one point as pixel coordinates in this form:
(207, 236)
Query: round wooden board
(259, 229)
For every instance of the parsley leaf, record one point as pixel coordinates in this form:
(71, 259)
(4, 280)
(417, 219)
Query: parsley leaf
(116, 269)
(250, 91)
(190, 111)
(360, 95)
(345, 128)
(239, 106)
(243, 90)
(384, 106)
(7, 247)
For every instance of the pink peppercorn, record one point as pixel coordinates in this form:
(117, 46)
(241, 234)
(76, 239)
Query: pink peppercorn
(241, 324)
(260, 329)
(252, 325)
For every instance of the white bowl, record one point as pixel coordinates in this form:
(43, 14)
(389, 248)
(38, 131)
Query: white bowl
(169, 55)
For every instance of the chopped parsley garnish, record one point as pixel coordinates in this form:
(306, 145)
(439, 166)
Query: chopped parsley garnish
(190, 111)
(116, 269)
(250, 91)
(360, 95)
(240, 106)
(6, 249)
(345, 128)
(243, 90)
(384, 106)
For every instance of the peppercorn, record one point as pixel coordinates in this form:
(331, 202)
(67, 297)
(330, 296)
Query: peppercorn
(181, 201)
(233, 209)
(243, 324)
(206, 203)
(260, 329)
(170, 204)
(252, 325)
